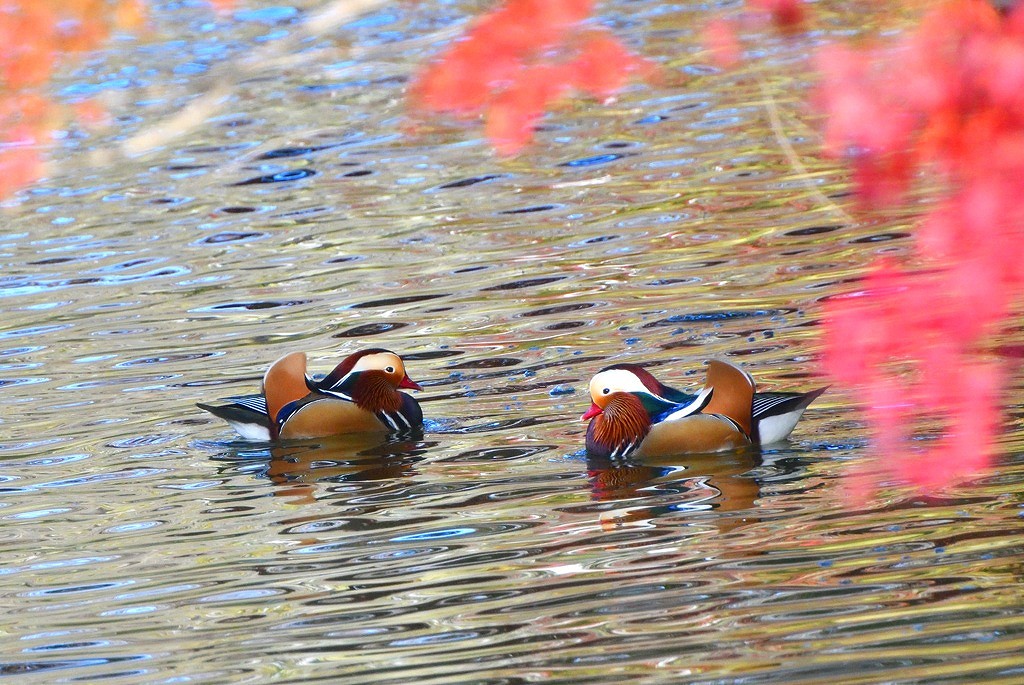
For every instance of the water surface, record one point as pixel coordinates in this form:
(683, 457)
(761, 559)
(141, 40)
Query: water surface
(144, 543)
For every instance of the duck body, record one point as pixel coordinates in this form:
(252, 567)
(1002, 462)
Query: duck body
(361, 395)
(635, 415)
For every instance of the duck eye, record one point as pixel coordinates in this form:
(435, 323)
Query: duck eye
(389, 369)
(605, 391)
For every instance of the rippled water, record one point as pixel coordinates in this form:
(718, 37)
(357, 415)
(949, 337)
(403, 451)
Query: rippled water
(143, 543)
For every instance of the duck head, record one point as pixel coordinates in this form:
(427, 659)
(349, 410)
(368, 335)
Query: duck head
(625, 399)
(371, 378)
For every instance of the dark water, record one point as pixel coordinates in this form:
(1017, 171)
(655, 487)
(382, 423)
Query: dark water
(143, 543)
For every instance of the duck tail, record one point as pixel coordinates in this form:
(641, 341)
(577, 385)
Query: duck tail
(775, 414)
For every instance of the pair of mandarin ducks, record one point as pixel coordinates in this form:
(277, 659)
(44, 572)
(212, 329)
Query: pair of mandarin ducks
(632, 414)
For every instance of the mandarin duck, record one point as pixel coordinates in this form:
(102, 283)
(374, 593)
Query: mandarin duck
(633, 414)
(359, 396)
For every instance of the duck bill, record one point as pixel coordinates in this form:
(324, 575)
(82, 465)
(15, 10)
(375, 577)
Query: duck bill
(409, 384)
(592, 412)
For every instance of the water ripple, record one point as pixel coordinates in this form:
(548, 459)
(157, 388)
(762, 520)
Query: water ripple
(666, 228)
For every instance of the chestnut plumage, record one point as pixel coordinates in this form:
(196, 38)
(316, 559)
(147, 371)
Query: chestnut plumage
(634, 414)
(360, 395)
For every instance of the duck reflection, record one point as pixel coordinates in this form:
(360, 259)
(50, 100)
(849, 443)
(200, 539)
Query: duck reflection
(344, 458)
(718, 482)
(298, 465)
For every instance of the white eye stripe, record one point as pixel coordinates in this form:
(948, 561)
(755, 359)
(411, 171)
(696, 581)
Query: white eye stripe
(385, 361)
(616, 380)
(372, 362)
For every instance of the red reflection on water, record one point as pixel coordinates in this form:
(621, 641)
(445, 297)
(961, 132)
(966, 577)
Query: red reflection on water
(785, 14)
(946, 100)
(515, 61)
(39, 37)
